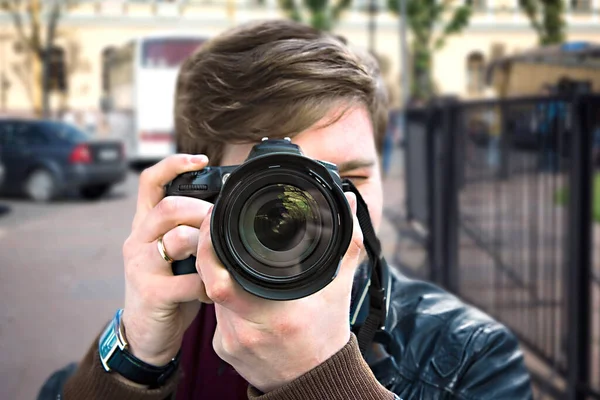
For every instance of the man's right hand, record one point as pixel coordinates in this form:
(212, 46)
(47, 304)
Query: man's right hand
(159, 307)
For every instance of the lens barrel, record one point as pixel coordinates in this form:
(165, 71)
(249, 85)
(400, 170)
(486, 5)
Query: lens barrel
(281, 226)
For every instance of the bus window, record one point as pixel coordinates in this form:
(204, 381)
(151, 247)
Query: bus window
(167, 53)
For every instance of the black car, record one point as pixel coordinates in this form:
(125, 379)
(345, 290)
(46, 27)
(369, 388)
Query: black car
(2, 170)
(44, 159)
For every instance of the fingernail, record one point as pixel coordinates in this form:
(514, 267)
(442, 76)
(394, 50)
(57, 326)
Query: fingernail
(199, 159)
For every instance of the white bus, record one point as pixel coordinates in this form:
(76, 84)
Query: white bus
(142, 76)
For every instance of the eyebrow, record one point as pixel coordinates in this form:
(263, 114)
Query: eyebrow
(355, 164)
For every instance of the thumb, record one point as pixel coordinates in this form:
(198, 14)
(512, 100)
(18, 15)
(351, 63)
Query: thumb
(355, 248)
(351, 197)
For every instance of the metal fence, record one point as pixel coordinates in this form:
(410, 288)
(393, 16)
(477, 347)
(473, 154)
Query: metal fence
(503, 193)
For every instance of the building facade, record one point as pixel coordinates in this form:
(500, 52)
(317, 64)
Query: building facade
(86, 31)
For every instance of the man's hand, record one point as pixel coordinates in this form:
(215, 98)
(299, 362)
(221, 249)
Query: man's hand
(271, 343)
(159, 307)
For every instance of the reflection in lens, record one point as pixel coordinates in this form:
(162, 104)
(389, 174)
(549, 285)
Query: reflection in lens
(280, 225)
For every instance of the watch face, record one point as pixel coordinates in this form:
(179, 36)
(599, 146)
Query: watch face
(107, 344)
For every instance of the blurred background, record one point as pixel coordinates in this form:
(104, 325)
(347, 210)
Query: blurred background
(492, 180)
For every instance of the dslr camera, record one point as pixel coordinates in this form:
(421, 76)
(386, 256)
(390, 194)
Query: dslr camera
(280, 222)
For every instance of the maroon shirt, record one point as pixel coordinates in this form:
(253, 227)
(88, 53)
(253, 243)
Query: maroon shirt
(205, 375)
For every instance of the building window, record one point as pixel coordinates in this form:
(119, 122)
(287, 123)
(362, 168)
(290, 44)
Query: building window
(107, 56)
(475, 73)
(581, 5)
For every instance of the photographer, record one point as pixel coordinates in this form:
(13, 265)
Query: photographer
(202, 335)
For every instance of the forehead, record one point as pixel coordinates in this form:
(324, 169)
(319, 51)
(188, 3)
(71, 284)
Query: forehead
(349, 138)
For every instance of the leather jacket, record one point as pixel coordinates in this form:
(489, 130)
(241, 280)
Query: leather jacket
(437, 347)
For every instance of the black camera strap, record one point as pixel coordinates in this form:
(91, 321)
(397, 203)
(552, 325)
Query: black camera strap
(375, 321)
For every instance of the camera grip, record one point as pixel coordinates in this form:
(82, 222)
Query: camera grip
(183, 267)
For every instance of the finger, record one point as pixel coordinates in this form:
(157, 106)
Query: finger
(153, 180)
(183, 288)
(168, 214)
(355, 248)
(161, 283)
(351, 197)
(181, 242)
(216, 277)
(221, 288)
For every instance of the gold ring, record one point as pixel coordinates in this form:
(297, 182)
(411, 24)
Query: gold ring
(163, 251)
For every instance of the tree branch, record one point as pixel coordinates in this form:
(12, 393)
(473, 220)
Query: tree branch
(13, 8)
(53, 21)
(458, 22)
(340, 6)
(34, 21)
(531, 8)
(291, 9)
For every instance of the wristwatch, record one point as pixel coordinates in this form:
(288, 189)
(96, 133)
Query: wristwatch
(114, 355)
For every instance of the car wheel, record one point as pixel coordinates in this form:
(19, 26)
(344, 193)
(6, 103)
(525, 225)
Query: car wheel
(94, 192)
(40, 186)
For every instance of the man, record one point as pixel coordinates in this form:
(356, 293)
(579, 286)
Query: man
(201, 335)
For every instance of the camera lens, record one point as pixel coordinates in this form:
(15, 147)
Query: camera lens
(280, 225)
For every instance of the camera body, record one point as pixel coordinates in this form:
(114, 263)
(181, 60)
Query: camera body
(280, 224)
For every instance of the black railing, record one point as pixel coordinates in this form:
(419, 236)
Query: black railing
(503, 192)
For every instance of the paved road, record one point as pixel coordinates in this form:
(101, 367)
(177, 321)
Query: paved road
(61, 279)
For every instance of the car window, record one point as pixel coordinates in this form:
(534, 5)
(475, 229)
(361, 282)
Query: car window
(11, 134)
(34, 136)
(62, 132)
(3, 134)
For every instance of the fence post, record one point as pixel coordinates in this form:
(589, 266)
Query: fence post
(579, 253)
(444, 224)
(431, 174)
(451, 190)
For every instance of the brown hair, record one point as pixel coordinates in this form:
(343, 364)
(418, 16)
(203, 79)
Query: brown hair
(276, 79)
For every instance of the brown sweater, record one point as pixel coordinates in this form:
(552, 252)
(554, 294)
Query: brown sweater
(344, 376)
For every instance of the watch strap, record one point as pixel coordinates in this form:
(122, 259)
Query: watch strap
(135, 370)
(115, 356)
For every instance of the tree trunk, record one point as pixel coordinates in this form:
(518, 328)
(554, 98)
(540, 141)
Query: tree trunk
(37, 59)
(422, 85)
(37, 92)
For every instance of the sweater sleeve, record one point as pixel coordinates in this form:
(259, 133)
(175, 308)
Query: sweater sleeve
(344, 376)
(91, 382)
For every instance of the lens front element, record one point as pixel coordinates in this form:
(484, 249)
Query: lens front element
(280, 225)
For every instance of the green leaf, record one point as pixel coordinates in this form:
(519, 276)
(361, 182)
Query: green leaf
(439, 43)
(423, 16)
(316, 5)
(320, 20)
(291, 9)
(321, 13)
(546, 18)
(459, 21)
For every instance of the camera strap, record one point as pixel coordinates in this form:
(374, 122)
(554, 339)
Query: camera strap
(378, 299)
